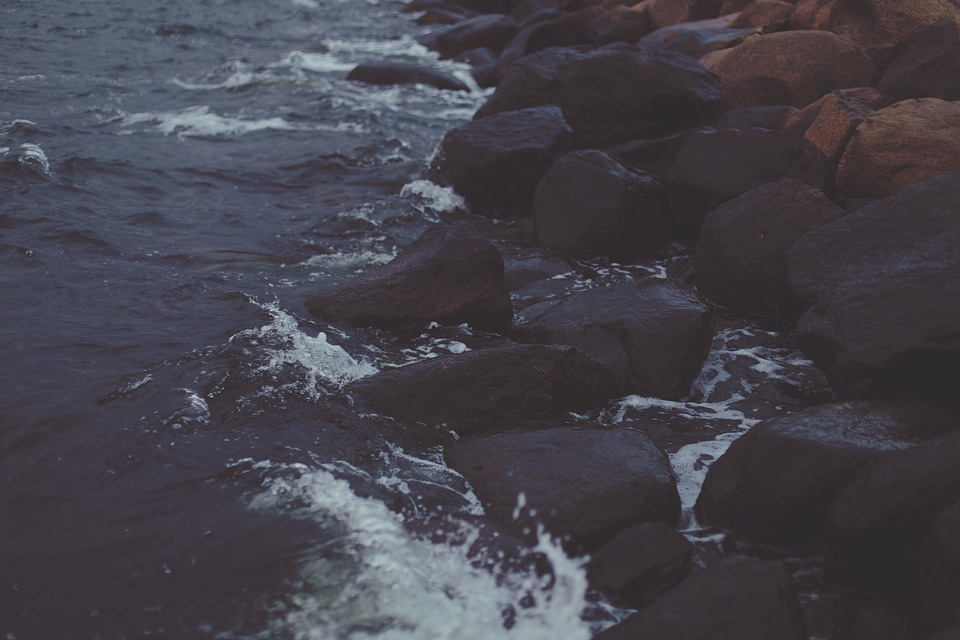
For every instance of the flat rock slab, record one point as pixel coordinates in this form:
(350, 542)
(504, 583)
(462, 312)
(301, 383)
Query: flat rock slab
(775, 484)
(741, 599)
(884, 283)
(584, 484)
(451, 274)
(610, 94)
(490, 390)
(653, 335)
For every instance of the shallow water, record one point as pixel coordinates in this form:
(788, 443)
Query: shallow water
(176, 457)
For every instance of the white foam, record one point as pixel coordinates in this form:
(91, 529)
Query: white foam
(401, 587)
(315, 62)
(434, 197)
(198, 121)
(33, 156)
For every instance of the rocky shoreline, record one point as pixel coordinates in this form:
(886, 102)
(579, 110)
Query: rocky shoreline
(807, 156)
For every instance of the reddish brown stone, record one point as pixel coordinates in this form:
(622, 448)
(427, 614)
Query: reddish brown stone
(839, 117)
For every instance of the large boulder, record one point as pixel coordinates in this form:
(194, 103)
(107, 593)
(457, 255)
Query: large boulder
(653, 335)
(928, 66)
(878, 525)
(664, 13)
(715, 166)
(940, 568)
(791, 67)
(740, 599)
(589, 204)
(496, 163)
(775, 484)
(640, 564)
(772, 117)
(610, 94)
(883, 283)
(654, 156)
(404, 73)
(489, 390)
(762, 12)
(741, 259)
(451, 274)
(489, 31)
(584, 484)
(876, 25)
(898, 146)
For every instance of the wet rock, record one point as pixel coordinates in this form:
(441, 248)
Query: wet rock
(488, 31)
(771, 117)
(653, 335)
(741, 599)
(876, 25)
(639, 564)
(791, 67)
(610, 94)
(654, 156)
(664, 13)
(761, 12)
(716, 166)
(878, 524)
(928, 66)
(693, 42)
(589, 204)
(741, 259)
(895, 147)
(451, 274)
(402, 73)
(496, 163)
(490, 390)
(884, 282)
(775, 484)
(835, 124)
(585, 484)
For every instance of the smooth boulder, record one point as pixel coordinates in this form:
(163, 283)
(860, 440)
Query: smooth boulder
(884, 285)
(610, 94)
(791, 67)
(589, 204)
(401, 73)
(741, 259)
(584, 484)
(900, 145)
(488, 390)
(928, 66)
(488, 31)
(451, 274)
(776, 483)
(495, 163)
(653, 335)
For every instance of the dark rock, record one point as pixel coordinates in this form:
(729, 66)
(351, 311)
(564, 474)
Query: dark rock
(480, 57)
(451, 274)
(618, 24)
(771, 117)
(587, 485)
(640, 564)
(588, 204)
(488, 31)
(900, 145)
(928, 66)
(496, 163)
(444, 15)
(653, 156)
(489, 390)
(715, 166)
(775, 484)
(402, 73)
(953, 633)
(695, 39)
(940, 569)
(884, 283)
(877, 526)
(653, 335)
(741, 599)
(525, 10)
(741, 259)
(610, 94)
(486, 6)
(761, 12)
(791, 67)
(664, 13)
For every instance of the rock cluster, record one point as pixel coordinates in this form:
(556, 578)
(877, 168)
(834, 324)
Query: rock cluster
(809, 153)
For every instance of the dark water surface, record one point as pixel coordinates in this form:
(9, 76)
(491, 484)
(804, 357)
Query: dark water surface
(175, 459)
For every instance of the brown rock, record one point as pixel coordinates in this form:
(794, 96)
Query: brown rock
(905, 143)
(664, 13)
(792, 67)
(928, 66)
(761, 12)
(799, 122)
(832, 129)
(876, 25)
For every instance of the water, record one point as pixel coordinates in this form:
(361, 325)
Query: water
(176, 456)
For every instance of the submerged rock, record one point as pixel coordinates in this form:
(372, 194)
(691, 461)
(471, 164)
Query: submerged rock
(775, 484)
(403, 73)
(490, 390)
(585, 484)
(451, 274)
(496, 163)
(653, 335)
(740, 599)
